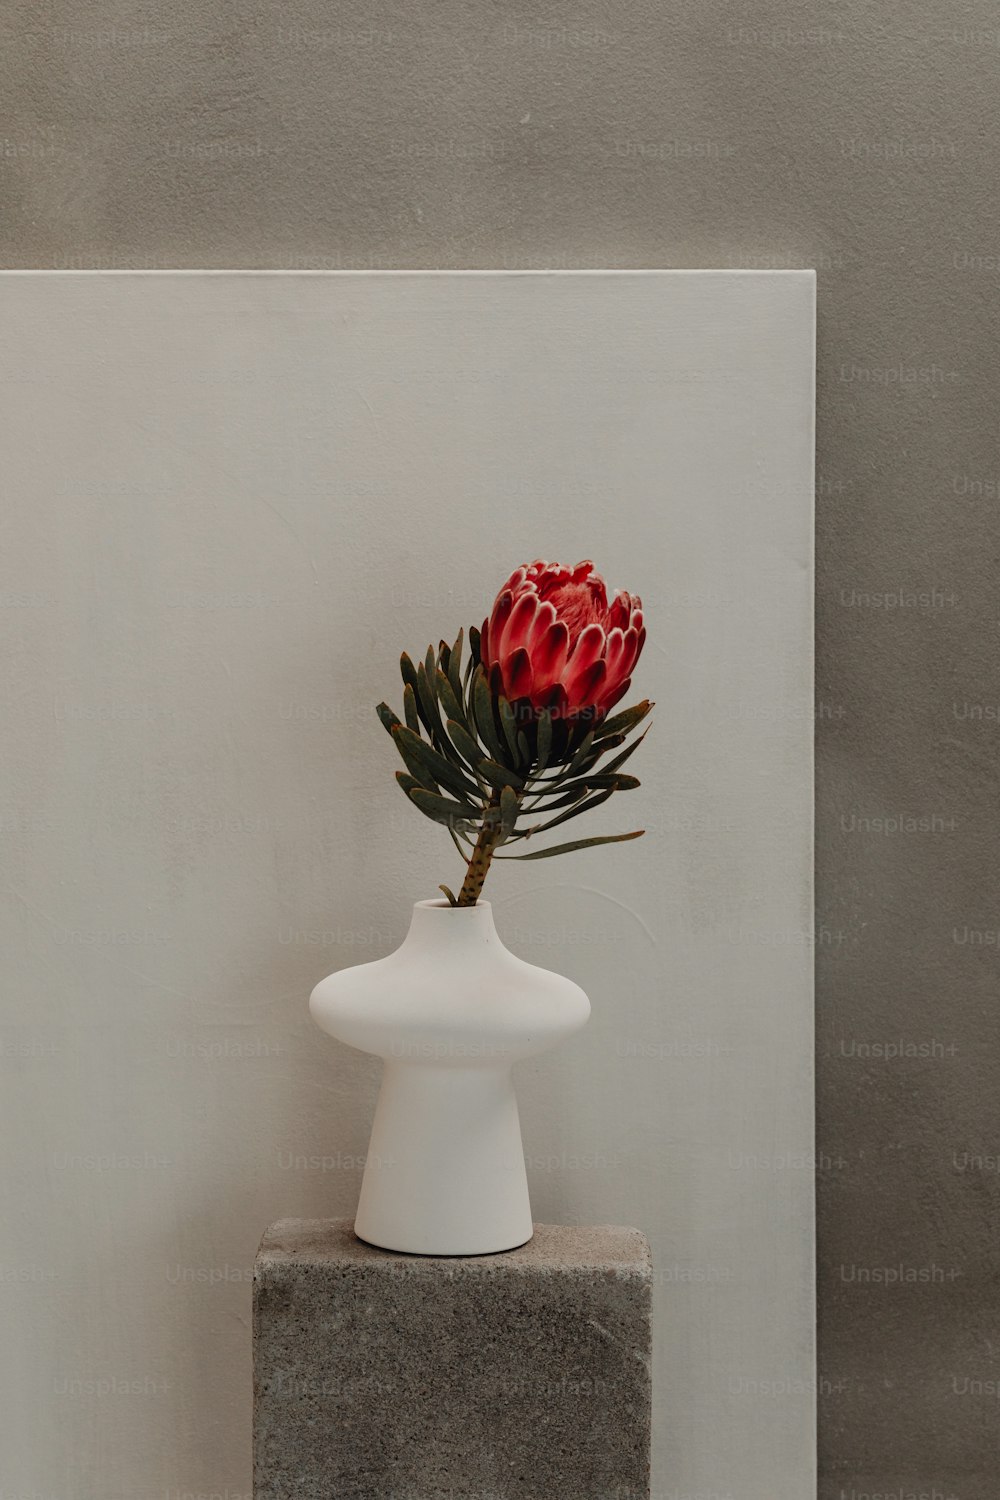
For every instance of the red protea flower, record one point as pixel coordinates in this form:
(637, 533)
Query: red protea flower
(554, 640)
(522, 730)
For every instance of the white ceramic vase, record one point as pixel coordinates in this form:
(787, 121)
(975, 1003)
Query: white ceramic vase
(450, 1012)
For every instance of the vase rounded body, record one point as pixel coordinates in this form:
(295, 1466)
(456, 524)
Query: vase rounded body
(450, 1012)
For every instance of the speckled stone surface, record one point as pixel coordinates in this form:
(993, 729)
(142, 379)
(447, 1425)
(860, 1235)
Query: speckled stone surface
(519, 1376)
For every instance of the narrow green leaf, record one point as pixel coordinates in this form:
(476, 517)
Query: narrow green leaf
(592, 782)
(389, 719)
(454, 835)
(413, 763)
(442, 809)
(467, 747)
(452, 706)
(580, 805)
(498, 775)
(455, 667)
(607, 838)
(582, 751)
(431, 713)
(626, 720)
(427, 696)
(544, 741)
(474, 643)
(452, 901)
(410, 709)
(620, 760)
(510, 806)
(482, 704)
(443, 657)
(524, 749)
(598, 749)
(408, 672)
(433, 764)
(509, 726)
(575, 792)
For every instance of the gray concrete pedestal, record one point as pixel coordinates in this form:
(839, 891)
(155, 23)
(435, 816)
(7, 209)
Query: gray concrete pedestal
(518, 1376)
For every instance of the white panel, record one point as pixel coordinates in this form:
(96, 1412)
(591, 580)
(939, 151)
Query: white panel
(230, 501)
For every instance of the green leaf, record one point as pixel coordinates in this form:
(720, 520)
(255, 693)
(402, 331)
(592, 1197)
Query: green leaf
(442, 809)
(509, 726)
(410, 709)
(582, 752)
(427, 695)
(454, 668)
(544, 741)
(626, 720)
(433, 764)
(482, 704)
(465, 744)
(389, 719)
(579, 805)
(413, 763)
(524, 749)
(498, 775)
(510, 806)
(607, 838)
(615, 780)
(452, 706)
(573, 794)
(593, 781)
(454, 835)
(408, 672)
(468, 747)
(452, 901)
(620, 760)
(443, 657)
(598, 749)
(474, 644)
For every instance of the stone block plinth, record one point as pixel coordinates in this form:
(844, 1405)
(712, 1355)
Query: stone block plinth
(518, 1376)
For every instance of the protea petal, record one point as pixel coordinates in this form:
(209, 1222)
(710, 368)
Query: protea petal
(588, 649)
(615, 650)
(517, 674)
(587, 689)
(549, 655)
(611, 697)
(620, 610)
(498, 619)
(517, 630)
(545, 618)
(630, 650)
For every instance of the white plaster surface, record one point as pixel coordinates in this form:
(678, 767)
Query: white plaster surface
(231, 500)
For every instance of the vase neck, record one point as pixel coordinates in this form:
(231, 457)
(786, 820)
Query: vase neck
(452, 929)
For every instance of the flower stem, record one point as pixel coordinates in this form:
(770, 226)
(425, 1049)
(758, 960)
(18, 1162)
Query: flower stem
(479, 863)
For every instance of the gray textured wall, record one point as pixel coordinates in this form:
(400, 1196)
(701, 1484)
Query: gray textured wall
(859, 140)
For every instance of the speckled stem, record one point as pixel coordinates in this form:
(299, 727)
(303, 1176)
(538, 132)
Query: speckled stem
(479, 864)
